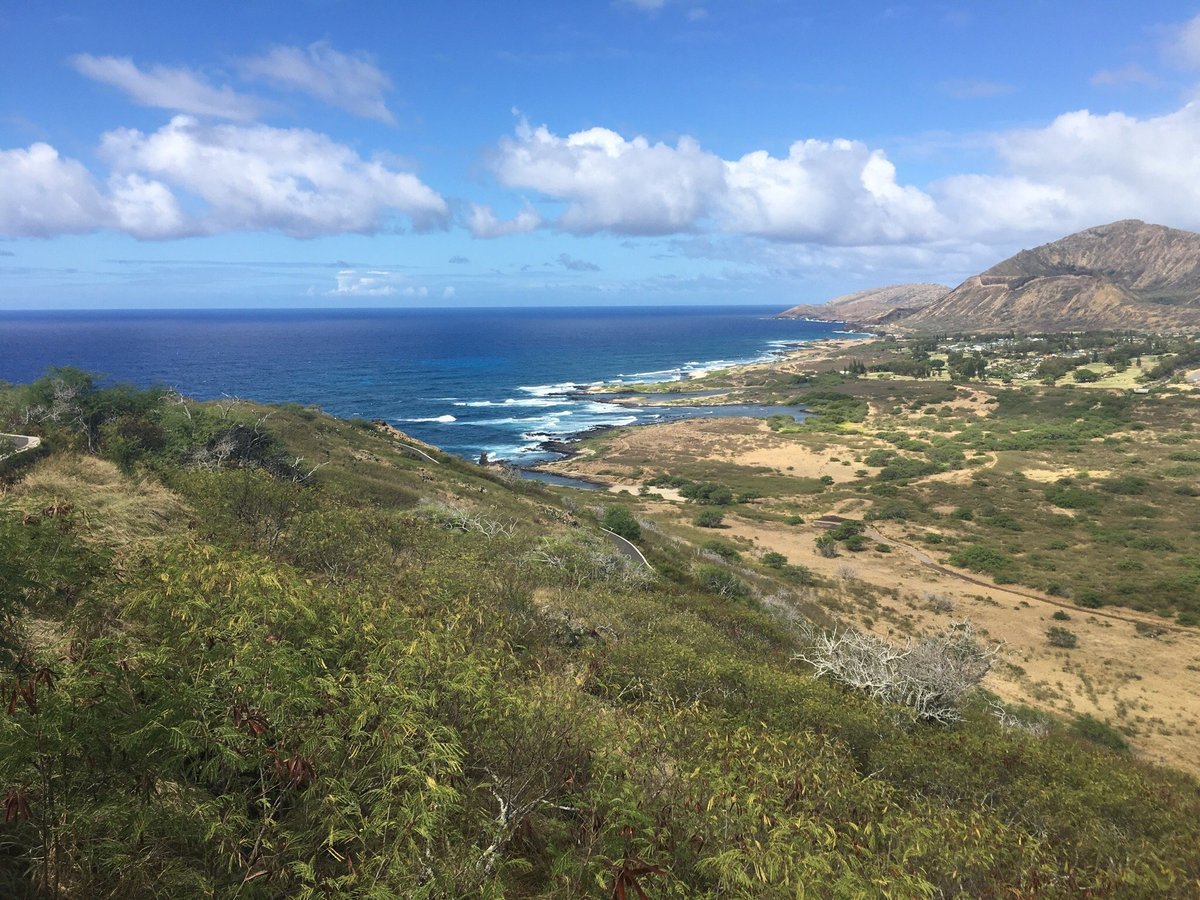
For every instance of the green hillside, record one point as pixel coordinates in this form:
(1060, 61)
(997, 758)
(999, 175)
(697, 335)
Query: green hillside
(260, 652)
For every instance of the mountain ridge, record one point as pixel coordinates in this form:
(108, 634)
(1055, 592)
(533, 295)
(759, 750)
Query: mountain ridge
(1122, 275)
(871, 304)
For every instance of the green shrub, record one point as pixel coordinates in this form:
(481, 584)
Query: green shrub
(1094, 731)
(620, 520)
(720, 581)
(724, 550)
(1125, 484)
(707, 493)
(710, 518)
(982, 558)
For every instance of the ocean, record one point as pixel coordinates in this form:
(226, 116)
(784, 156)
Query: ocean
(466, 380)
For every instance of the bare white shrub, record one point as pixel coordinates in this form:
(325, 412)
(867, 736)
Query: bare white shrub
(581, 561)
(932, 675)
(455, 518)
(1010, 722)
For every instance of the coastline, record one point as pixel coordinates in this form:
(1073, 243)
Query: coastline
(681, 429)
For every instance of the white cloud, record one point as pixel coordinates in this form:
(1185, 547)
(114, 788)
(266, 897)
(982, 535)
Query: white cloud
(825, 192)
(373, 284)
(176, 89)
(1080, 170)
(448, 293)
(646, 5)
(350, 82)
(610, 183)
(146, 209)
(829, 192)
(1183, 44)
(482, 222)
(257, 178)
(1084, 169)
(239, 178)
(46, 195)
(376, 283)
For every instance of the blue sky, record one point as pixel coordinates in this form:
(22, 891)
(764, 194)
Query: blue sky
(330, 153)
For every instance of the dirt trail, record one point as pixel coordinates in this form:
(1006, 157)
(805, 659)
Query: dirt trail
(1136, 672)
(927, 560)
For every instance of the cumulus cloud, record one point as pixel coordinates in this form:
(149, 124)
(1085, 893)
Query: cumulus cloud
(46, 195)
(483, 223)
(459, 260)
(177, 89)
(576, 265)
(347, 81)
(234, 177)
(146, 208)
(1080, 170)
(610, 183)
(448, 293)
(830, 192)
(1083, 169)
(257, 177)
(826, 192)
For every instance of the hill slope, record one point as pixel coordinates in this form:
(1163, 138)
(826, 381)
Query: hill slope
(1125, 275)
(402, 675)
(870, 306)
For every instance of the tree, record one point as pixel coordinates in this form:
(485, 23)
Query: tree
(619, 520)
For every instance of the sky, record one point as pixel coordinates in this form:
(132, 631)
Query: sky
(319, 153)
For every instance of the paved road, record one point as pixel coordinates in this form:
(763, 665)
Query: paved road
(628, 548)
(20, 443)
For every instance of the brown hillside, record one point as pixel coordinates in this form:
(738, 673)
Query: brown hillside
(1126, 275)
(871, 306)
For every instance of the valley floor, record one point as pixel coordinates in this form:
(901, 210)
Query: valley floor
(1138, 670)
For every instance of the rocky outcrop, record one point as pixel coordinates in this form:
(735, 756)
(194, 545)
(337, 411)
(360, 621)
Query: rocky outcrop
(872, 306)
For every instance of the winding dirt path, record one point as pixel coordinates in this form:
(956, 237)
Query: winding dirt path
(928, 561)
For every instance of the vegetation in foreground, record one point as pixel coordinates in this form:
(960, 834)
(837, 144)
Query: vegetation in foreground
(260, 652)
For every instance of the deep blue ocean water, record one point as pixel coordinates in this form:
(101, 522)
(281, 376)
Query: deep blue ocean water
(466, 380)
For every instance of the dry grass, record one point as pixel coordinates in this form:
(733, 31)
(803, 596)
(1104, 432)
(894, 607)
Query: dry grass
(115, 508)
